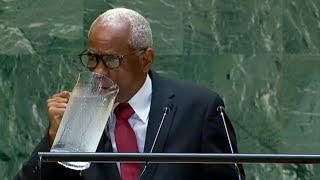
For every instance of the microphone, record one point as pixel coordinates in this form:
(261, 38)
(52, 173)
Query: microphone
(221, 110)
(166, 111)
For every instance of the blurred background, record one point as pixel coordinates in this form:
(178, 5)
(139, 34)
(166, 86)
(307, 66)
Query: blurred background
(261, 56)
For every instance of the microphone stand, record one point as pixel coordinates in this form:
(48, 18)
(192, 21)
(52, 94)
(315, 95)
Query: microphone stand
(221, 110)
(166, 111)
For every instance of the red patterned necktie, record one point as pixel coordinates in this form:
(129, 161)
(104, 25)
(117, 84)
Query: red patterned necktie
(126, 141)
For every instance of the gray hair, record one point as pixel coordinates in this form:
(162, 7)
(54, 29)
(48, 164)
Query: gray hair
(141, 34)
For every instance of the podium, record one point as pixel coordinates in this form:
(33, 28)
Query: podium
(180, 158)
(199, 158)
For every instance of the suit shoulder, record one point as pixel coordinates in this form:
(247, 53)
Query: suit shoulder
(191, 91)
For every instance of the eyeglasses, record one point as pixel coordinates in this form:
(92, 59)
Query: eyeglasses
(90, 60)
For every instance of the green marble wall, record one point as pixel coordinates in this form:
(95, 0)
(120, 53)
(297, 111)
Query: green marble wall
(262, 56)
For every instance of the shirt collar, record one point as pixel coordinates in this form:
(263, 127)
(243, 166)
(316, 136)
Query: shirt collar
(141, 101)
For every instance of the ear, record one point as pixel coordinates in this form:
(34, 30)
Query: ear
(147, 60)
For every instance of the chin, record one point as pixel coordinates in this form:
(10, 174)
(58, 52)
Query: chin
(120, 99)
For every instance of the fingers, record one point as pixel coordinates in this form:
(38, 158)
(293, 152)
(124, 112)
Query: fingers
(63, 94)
(57, 104)
(57, 99)
(56, 111)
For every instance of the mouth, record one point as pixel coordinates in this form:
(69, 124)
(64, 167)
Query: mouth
(108, 87)
(104, 88)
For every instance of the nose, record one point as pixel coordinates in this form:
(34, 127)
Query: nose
(101, 68)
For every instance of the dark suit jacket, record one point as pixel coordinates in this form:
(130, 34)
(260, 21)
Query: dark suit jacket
(192, 126)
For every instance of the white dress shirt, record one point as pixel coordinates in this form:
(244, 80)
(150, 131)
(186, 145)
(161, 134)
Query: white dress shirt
(140, 103)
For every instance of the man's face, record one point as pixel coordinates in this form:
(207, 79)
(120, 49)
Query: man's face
(113, 40)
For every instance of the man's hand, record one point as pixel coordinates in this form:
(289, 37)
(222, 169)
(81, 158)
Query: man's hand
(56, 107)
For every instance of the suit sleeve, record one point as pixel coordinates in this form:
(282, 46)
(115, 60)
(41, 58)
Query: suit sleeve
(34, 170)
(214, 140)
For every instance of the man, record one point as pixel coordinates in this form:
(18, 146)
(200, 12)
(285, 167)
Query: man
(120, 46)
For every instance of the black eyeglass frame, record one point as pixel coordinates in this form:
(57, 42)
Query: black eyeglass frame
(98, 58)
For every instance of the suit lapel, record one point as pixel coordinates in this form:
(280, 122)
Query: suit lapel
(154, 125)
(162, 97)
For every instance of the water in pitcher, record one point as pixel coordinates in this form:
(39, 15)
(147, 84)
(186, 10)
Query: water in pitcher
(82, 125)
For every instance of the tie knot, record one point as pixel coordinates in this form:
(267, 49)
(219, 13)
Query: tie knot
(123, 111)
